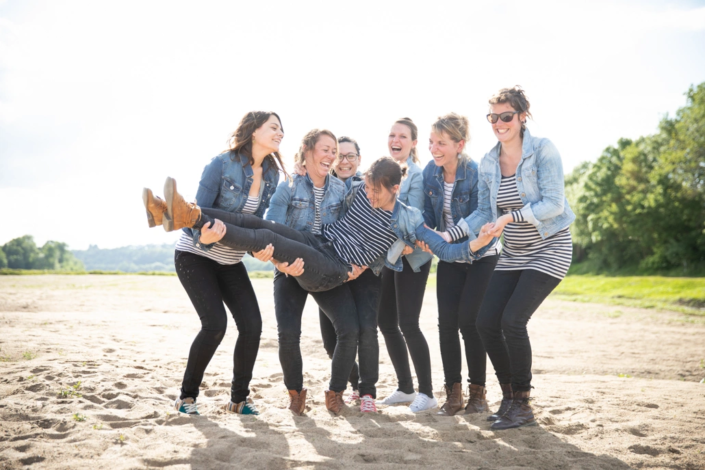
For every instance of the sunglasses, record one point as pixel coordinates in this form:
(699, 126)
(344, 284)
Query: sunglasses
(505, 117)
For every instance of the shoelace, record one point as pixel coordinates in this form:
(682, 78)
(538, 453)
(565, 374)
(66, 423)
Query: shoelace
(354, 396)
(367, 404)
(420, 402)
(190, 408)
(252, 407)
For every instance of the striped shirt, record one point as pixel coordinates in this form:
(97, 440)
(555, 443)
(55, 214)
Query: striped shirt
(221, 254)
(318, 198)
(523, 246)
(363, 234)
(456, 233)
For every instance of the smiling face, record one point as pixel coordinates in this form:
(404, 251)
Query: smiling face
(269, 135)
(400, 142)
(346, 168)
(320, 159)
(507, 131)
(381, 197)
(444, 150)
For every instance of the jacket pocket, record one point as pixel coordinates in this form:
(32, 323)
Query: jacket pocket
(230, 194)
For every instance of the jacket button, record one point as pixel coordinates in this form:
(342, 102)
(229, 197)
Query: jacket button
(232, 187)
(523, 194)
(519, 179)
(545, 234)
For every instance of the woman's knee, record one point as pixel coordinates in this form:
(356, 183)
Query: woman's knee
(513, 327)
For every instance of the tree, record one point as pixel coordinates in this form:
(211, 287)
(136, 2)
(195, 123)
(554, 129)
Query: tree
(21, 252)
(3, 259)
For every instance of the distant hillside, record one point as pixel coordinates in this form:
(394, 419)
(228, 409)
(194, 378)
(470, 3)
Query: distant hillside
(143, 258)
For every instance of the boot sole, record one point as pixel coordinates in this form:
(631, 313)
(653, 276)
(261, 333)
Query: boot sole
(525, 425)
(169, 191)
(145, 200)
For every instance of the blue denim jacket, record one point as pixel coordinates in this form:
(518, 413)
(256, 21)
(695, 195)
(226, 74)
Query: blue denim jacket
(225, 184)
(463, 200)
(539, 178)
(411, 194)
(294, 203)
(404, 222)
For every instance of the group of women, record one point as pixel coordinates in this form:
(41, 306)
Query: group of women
(362, 245)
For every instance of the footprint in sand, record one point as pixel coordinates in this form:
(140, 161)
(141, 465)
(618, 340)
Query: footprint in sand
(120, 385)
(108, 350)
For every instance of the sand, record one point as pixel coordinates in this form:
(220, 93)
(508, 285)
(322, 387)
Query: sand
(91, 365)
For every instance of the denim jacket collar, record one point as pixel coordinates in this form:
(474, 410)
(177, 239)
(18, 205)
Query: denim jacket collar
(247, 168)
(460, 173)
(527, 147)
(310, 184)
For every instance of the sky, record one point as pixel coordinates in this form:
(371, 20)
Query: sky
(101, 99)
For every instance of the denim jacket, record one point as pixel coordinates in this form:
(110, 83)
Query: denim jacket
(411, 194)
(225, 184)
(539, 179)
(463, 200)
(294, 203)
(404, 222)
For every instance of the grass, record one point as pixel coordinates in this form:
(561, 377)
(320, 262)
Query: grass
(680, 294)
(70, 392)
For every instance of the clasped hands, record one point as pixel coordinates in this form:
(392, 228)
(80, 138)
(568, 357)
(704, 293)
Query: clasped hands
(488, 231)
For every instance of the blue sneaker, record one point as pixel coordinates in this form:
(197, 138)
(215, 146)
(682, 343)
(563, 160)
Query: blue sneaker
(245, 407)
(186, 406)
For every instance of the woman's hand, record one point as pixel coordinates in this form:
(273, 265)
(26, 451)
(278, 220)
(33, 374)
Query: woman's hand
(407, 250)
(423, 246)
(212, 233)
(295, 269)
(264, 255)
(356, 271)
(299, 169)
(500, 224)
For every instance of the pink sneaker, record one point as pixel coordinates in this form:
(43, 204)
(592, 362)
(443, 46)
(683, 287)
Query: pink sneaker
(367, 404)
(354, 397)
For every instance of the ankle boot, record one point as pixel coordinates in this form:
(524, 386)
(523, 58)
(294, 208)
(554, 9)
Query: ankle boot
(507, 397)
(454, 401)
(297, 403)
(179, 213)
(334, 401)
(477, 400)
(518, 415)
(156, 207)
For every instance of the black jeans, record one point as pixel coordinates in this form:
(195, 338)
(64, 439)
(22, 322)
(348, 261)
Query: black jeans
(246, 232)
(209, 284)
(399, 312)
(366, 291)
(339, 305)
(512, 297)
(460, 288)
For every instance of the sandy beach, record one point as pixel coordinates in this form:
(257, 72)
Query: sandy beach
(91, 365)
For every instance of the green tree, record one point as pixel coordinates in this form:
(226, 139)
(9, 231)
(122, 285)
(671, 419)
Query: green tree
(21, 252)
(3, 259)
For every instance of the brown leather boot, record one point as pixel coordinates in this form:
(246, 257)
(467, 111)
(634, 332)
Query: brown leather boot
(156, 207)
(454, 402)
(507, 397)
(297, 403)
(334, 401)
(179, 213)
(477, 400)
(518, 415)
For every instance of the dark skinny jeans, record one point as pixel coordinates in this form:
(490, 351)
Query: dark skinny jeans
(339, 305)
(511, 300)
(460, 288)
(366, 291)
(209, 285)
(399, 312)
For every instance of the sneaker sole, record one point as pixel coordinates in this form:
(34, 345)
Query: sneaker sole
(169, 190)
(525, 425)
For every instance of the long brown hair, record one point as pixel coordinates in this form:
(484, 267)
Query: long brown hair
(241, 140)
(414, 134)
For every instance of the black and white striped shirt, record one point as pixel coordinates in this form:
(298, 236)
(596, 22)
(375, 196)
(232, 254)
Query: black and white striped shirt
(318, 198)
(221, 254)
(363, 234)
(523, 246)
(456, 233)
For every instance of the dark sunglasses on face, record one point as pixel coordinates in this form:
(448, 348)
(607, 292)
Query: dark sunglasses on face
(505, 117)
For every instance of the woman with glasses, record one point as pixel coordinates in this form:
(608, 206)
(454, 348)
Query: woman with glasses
(403, 290)
(451, 190)
(521, 189)
(240, 180)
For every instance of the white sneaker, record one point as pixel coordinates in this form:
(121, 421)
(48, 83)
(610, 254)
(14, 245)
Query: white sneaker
(422, 403)
(398, 397)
